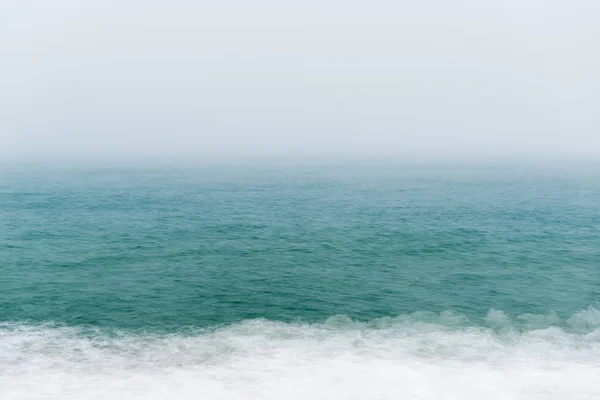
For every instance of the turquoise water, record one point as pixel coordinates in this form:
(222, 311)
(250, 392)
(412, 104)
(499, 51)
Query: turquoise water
(300, 282)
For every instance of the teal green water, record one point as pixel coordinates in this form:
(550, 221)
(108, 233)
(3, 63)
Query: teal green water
(356, 282)
(174, 248)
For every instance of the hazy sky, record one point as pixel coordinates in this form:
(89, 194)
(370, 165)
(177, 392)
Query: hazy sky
(93, 78)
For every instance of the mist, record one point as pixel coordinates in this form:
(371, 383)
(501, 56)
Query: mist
(187, 79)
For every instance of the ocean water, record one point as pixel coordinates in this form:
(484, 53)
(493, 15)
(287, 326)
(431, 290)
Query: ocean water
(300, 282)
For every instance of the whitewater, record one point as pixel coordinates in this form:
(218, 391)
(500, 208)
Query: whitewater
(418, 356)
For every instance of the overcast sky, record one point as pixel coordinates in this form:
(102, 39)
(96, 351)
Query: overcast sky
(424, 79)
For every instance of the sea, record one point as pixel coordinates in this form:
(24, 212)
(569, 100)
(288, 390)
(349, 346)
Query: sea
(300, 281)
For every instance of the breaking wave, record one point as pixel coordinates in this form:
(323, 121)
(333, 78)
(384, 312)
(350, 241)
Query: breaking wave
(418, 356)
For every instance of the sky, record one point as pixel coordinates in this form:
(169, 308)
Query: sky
(328, 78)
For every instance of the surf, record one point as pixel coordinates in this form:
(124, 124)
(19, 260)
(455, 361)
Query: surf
(416, 356)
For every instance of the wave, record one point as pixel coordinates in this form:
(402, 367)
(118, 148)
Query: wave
(418, 356)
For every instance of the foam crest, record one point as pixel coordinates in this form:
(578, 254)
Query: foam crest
(586, 319)
(419, 356)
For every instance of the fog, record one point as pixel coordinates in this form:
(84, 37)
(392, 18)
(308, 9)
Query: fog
(328, 78)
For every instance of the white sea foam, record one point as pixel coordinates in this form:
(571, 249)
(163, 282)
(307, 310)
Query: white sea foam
(413, 357)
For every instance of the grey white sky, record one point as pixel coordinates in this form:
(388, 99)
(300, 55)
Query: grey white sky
(217, 78)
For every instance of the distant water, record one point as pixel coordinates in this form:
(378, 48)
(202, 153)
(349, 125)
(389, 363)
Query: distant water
(300, 283)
